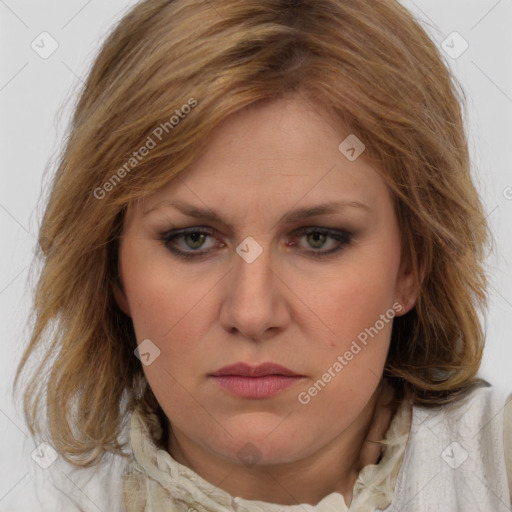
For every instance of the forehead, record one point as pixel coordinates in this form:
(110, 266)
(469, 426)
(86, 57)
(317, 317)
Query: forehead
(271, 157)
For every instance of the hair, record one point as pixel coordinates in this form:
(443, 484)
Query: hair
(370, 65)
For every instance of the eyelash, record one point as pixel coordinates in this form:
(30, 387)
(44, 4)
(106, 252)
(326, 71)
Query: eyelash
(343, 238)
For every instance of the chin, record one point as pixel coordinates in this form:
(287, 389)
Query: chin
(269, 444)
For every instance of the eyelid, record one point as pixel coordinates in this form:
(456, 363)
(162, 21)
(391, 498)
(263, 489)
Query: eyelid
(343, 237)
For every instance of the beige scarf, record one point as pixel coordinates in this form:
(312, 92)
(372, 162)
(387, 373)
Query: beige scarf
(155, 482)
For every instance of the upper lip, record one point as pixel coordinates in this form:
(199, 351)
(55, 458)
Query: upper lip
(246, 370)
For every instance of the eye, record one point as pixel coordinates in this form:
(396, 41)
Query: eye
(193, 241)
(317, 237)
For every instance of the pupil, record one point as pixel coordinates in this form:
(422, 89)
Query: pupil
(316, 237)
(195, 237)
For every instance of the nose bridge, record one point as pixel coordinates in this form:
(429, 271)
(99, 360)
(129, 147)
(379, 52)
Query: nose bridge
(250, 306)
(252, 268)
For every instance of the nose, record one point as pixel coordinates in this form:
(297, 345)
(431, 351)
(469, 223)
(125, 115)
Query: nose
(254, 304)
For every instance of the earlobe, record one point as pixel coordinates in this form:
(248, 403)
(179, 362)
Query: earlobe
(120, 296)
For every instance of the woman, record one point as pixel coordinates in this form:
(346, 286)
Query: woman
(263, 259)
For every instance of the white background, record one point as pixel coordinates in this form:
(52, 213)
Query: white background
(36, 96)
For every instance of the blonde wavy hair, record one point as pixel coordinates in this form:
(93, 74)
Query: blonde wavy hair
(370, 64)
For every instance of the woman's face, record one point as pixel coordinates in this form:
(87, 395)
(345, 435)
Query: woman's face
(318, 302)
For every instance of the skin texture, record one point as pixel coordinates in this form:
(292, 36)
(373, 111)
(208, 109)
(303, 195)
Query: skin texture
(286, 306)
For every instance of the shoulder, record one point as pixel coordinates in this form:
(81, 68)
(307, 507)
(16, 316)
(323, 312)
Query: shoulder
(476, 422)
(476, 410)
(455, 455)
(54, 485)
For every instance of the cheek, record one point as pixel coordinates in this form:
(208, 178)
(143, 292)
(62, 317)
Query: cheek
(360, 317)
(353, 296)
(172, 312)
(358, 301)
(162, 299)
(176, 311)
(356, 304)
(349, 364)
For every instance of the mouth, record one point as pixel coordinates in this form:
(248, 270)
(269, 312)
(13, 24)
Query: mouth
(261, 381)
(262, 370)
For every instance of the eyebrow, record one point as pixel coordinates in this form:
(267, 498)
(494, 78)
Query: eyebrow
(292, 216)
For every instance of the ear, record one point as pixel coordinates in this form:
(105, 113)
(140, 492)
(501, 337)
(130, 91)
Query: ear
(408, 284)
(121, 298)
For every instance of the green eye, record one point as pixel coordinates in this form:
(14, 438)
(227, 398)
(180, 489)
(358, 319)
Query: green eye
(316, 239)
(195, 238)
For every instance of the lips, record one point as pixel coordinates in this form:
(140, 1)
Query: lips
(245, 370)
(255, 382)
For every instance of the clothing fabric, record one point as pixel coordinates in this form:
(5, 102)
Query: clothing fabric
(451, 458)
(457, 457)
(156, 482)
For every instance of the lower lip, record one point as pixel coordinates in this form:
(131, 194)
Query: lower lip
(255, 387)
